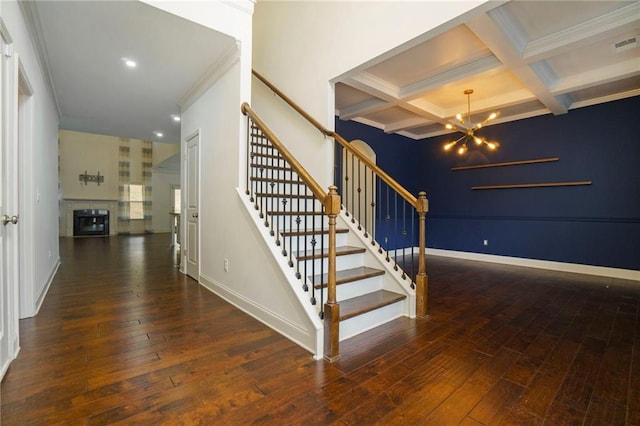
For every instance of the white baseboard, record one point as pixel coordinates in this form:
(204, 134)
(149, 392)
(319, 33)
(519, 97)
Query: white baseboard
(602, 271)
(5, 367)
(43, 295)
(293, 332)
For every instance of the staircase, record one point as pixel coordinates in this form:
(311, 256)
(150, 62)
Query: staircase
(370, 291)
(352, 276)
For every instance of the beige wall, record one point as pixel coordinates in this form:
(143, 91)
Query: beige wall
(93, 153)
(100, 153)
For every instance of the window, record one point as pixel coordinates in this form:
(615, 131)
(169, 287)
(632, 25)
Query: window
(175, 193)
(136, 199)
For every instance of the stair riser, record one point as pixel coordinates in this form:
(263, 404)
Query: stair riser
(288, 223)
(279, 188)
(342, 262)
(364, 322)
(301, 204)
(298, 243)
(356, 288)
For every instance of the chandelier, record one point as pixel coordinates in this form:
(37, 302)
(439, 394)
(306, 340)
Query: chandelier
(468, 130)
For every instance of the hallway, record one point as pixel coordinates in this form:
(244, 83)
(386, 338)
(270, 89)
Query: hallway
(123, 337)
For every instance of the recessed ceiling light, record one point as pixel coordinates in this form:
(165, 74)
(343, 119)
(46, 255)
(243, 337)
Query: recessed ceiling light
(158, 134)
(175, 117)
(129, 63)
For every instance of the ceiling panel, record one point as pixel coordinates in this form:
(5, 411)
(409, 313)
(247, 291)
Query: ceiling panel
(451, 49)
(390, 115)
(86, 43)
(347, 95)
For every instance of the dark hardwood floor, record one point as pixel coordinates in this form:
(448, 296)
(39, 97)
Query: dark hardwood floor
(122, 337)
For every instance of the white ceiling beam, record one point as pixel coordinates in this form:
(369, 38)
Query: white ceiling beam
(374, 86)
(363, 108)
(607, 98)
(405, 124)
(603, 75)
(495, 103)
(492, 36)
(416, 89)
(388, 93)
(428, 109)
(583, 33)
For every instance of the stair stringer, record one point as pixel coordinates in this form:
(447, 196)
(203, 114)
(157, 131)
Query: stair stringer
(392, 281)
(309, 335)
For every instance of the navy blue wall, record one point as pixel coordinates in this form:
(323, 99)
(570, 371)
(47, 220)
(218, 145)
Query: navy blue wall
(597, 224)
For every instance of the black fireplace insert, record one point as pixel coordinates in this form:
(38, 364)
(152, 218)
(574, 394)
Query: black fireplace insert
(90, 222)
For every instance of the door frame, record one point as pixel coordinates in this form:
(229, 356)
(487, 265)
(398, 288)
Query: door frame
(184, 247)
(29, 306)
(10, 236)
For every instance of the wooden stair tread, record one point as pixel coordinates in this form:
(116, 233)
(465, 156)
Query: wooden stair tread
(348, 275)
(270, 167)
(312, 232)
(368, 302)
(258, 154)
(264, 194)
(340, 251)
(293, 213)
(261, 144)
(269, 180)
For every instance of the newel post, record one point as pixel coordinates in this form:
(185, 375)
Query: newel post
(331, 307)
(422, 281)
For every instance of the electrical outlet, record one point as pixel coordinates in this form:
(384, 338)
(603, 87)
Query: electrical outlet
(485, 242)
(226, 265)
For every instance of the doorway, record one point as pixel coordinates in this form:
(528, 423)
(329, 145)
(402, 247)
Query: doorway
(359, 184)
(192, 202)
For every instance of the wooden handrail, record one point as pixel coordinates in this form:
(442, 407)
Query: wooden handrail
(295, 165)
(411, 199)
(343, 142)
(292, 104)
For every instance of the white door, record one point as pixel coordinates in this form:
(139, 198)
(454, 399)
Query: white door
(192, 195)
(9, 277)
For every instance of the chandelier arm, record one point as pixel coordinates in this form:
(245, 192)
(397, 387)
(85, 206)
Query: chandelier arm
(457, 127)
(468, 130)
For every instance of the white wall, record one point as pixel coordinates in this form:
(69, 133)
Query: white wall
(301, 46)
(39, 176)
(253, 282)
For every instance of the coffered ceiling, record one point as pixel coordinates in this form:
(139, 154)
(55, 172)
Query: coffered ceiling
(521, 58)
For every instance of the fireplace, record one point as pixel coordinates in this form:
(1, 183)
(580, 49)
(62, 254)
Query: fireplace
(90, 222)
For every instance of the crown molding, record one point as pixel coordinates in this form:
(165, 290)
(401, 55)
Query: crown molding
(31, 16)
(211, 76)
(4, 32)
(246, 6)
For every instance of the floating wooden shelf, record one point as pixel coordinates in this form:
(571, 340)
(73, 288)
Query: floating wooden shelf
(534, 185)
(508, 163)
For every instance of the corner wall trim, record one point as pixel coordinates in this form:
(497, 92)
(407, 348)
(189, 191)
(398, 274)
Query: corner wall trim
(45, 291)
(602, 271)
